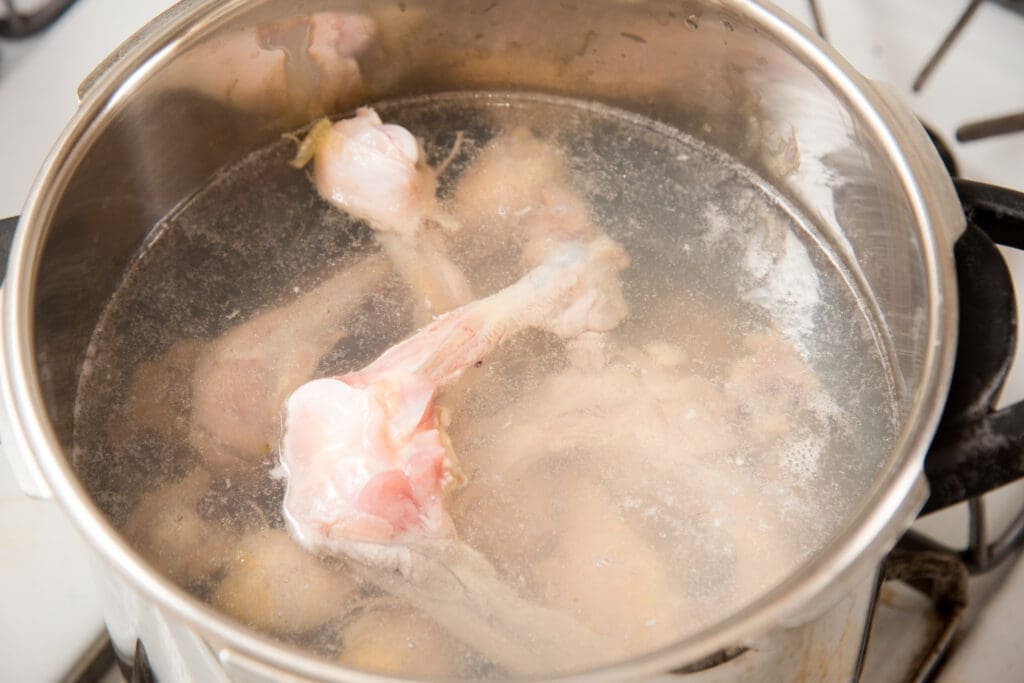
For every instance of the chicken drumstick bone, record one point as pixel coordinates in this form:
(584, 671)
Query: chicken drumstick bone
(374, 172)
(368, 463)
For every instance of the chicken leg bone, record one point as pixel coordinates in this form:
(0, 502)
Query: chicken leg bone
(519, 188)
(364, 452)
(374, 172)
(368, 462)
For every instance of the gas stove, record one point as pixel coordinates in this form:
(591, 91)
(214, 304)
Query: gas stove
(939, 620)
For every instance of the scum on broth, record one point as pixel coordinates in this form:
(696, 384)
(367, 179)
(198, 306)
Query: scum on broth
(743, 413)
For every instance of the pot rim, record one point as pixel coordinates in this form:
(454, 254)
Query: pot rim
(885, 512)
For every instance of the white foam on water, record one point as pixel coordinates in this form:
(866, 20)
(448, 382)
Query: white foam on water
(802, 459)
(788, 288)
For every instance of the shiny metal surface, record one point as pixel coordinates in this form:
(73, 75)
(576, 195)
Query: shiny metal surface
(176, 104)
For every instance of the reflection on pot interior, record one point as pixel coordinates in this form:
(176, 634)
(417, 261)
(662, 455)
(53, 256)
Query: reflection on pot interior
(636, 390)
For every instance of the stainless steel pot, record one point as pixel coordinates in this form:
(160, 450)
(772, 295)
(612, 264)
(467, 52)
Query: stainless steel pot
(174, 104)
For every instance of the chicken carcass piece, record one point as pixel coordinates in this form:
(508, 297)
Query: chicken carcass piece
(604, 570)
(364, 451)
(505, 182)
(368, 464)
(241, 378)
(306, 66)
(375, 172)
(771, 385)
(637, 407)
(158, 394)
(518, 189)
(168, 530)
(677, 429)
(274, 585)
(400, 643)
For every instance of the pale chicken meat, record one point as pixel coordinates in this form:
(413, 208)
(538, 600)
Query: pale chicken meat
(655, 403)
(368, 465)
(606, 574)
(274, 585)
(770, 386)
(664, 442)
(241, 378)
(375, 172)
(400, 642)
(666, 454)
(563, 530)
(518, 191)
(166, 527)
(643, 401)
(506, 182)
(158, 394)
(364, 453)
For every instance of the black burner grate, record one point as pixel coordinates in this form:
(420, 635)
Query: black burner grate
(15, 23)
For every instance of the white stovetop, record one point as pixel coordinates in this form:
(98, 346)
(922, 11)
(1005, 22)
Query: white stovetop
(48, 611)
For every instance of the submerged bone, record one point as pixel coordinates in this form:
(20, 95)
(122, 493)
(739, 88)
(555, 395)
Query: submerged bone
(364, 453)
(367, 462)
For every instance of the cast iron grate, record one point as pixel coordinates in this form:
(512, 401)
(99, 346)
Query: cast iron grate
(15, 23)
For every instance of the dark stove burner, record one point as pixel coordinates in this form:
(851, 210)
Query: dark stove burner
(17, 24)
(137, 669)
(95, 662)
(940, 577)
(1015, 5)
(959, 466)
(984, 128)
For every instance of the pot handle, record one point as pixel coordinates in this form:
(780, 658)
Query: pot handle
(976, 447)
(7, 228)
(26, 472)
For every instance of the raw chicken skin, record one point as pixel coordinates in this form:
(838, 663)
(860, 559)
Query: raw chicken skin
(372, 170)
(366, 462)
(365, 454)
